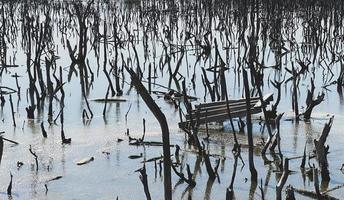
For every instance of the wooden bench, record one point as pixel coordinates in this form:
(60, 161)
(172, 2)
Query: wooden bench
(217, 111)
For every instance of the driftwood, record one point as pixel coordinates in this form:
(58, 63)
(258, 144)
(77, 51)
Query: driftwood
(54, 179)
(85, 161)
(135, 156)
(322, 151)
(109, 100)
(153, 159)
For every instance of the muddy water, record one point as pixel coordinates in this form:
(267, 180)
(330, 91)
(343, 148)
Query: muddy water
(112, 175)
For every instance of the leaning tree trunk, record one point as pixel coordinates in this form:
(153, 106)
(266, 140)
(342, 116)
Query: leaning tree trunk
(164, 128)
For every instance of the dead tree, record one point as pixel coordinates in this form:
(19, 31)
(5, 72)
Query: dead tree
(12, 110)
(277, 85)
(44, 133)
(340, 79)
(322, 151)
(249, 129)
(164, 129)
(30, 110)
(295, 99)
(311, 103)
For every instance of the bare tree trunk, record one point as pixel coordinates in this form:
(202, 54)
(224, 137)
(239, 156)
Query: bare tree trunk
(322, 151)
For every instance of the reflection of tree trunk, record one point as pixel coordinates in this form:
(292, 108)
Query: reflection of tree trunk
(267, 178)
(282, 180)
(295, 103)
(144, 180)
(234, 172)
(249, 129)
(197, 166)
(208, 189)
(253, 188)
(1, 147)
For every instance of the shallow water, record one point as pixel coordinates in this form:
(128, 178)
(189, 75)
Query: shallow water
(113, 175)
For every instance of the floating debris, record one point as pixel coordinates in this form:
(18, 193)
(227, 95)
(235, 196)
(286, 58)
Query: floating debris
(85, 161)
